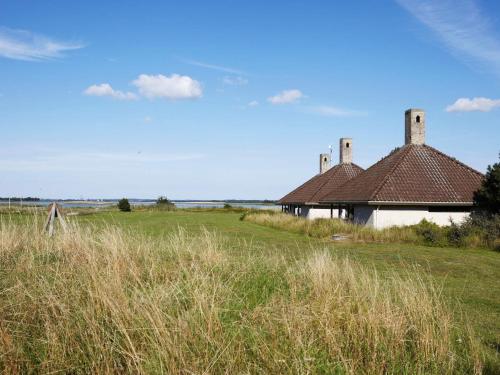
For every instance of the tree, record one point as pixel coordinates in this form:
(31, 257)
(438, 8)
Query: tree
(487, 198)
(124, 205)
(163, 200)
(164, 203)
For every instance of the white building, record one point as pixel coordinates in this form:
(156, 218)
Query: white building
(412, 183)
(304, 200)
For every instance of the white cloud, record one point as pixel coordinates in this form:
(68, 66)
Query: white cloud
(331, 111)
(253, 103)
(461, 26)
(212, 66)
(234, 80)
(105, 89)
(475, 104)
(173, 87)
(28, 46)
(286, 96)
(147, 119)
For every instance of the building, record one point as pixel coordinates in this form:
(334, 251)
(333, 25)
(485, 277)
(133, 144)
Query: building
(412, 183)
(304, 200)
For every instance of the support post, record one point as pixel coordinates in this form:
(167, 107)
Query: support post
(54, 212)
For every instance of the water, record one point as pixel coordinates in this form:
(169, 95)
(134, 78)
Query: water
(135, 202)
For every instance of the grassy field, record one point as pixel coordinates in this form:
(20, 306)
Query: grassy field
(267, 277)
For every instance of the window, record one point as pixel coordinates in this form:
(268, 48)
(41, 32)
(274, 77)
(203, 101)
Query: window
(347, 145)
(418, 119)
(325, 160)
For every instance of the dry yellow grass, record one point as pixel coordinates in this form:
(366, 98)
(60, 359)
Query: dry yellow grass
(108, 301)
(322, 228)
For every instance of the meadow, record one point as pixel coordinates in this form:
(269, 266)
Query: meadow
(202, 291)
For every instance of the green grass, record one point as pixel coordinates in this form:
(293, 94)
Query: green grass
(468, 277)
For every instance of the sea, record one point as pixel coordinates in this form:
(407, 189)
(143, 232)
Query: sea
(142, 202)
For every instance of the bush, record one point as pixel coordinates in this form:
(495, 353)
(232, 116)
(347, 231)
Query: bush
(124, 205)
(164, 203)
(431, 233)
(227, 206)
(486, 227)
(457, 234)
(163, 200)
(487, 198)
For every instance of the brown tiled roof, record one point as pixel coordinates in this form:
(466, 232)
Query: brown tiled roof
(412, 174)
(321, 184)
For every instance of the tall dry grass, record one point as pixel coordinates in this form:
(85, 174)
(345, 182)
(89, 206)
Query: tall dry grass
(322, 228)
(108, 301)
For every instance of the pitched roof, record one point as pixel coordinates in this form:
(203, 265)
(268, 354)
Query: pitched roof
(321, 184)
(412, 174)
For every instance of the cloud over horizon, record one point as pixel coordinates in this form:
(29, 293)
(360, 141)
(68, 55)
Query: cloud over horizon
(475, 104)
(461, 26)
(174, 87)
(105, 89)
(286, 97)
(28, 46)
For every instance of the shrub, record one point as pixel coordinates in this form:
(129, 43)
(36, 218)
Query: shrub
(457, 234)
(124, 205)
(163, 200)
(431, 233)
(227, 206)
(486, 227)
(164, 203)
(487, 198)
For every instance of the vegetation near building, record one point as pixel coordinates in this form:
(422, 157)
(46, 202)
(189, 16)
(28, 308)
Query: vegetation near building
(487, 198)
(124, 205)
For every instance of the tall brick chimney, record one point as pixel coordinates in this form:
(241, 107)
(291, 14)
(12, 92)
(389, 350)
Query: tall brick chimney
(324, 163)
(414, 126)
(345, 151)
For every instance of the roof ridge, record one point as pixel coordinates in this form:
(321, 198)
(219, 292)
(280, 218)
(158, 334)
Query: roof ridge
(328, 179)
(355, 165)
(405, 151)
(456, 161)
(315, 177)
(300, 186)
(320, 198)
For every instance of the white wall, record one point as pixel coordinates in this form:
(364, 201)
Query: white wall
(388, 216)
(312, 212)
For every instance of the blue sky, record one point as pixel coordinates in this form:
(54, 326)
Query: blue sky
(227, 99)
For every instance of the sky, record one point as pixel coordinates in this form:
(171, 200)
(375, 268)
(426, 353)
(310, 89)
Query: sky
(229, 99)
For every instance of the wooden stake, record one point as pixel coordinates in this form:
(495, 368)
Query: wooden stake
(54, 211)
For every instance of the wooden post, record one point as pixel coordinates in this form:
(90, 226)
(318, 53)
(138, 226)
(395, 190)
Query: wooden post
(54, 212)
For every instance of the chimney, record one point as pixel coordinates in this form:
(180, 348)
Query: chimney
(414, 126)
(324, 163)
(345, 150)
